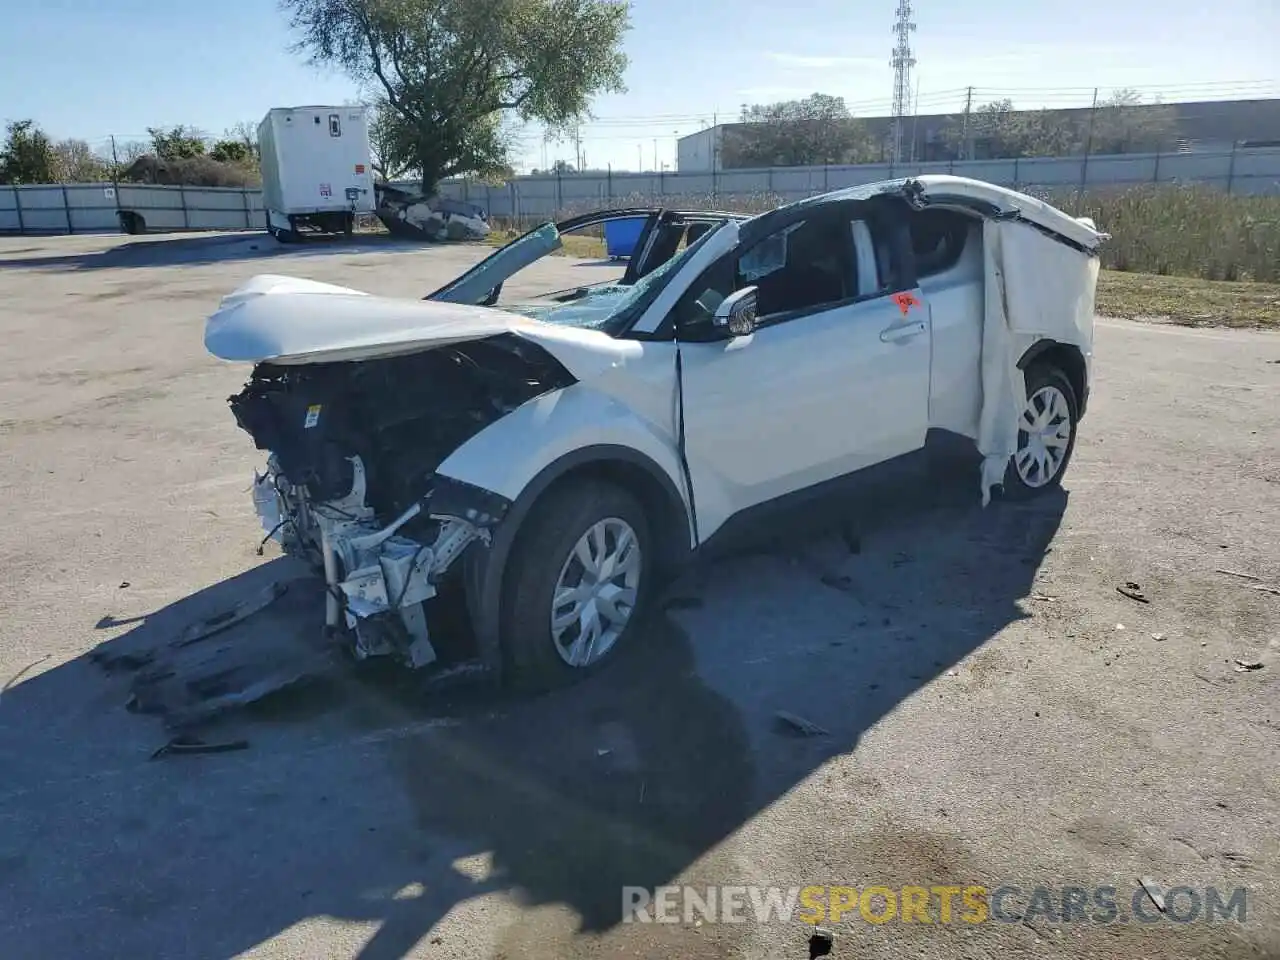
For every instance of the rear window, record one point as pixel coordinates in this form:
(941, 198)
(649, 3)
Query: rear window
(938, 238)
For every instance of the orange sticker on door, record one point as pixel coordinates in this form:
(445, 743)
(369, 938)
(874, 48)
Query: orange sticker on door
(906, 301)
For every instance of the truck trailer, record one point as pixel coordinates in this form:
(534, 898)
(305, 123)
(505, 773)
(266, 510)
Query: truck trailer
(317, 170)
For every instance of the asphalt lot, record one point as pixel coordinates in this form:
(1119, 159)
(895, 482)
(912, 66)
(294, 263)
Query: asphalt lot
(997, 712)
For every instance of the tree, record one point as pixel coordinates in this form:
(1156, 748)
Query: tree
(247, 134)
(27, 156)
(75, 162)
(176, 143)
(1124, 124)
(232, 151)
(450, 70)
(997, 130)
(392, 154)
(1048, 133)
(817, 129)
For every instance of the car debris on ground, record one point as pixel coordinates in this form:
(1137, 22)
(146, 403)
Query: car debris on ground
(1133, 591)
(1153, 891)
(190, 745)
(800, 725)
(225, 661)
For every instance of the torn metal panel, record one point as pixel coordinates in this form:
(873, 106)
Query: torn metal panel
(1036, 288)
(1003, 384)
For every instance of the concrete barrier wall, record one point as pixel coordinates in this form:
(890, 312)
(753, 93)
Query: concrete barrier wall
(90, 208)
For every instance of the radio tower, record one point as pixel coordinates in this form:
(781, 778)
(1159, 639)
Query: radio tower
(902, 62)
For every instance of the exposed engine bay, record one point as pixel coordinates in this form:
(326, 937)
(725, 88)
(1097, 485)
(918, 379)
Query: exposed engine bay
(351, 483)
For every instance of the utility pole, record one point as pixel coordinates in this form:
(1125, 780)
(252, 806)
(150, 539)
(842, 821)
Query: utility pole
(639, 158)
(964, 136)
(577, 146)
(655, 153)
(715, 142)
(1088, 148)
(902, 61)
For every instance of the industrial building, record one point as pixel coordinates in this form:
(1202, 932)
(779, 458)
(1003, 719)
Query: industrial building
(1202, 126)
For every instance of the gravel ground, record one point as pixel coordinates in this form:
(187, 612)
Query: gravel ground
(996, 712)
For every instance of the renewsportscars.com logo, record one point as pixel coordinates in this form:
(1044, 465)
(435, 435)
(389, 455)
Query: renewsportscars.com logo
(940, 904)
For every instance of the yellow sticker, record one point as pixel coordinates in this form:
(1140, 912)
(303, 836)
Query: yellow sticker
(313, 416)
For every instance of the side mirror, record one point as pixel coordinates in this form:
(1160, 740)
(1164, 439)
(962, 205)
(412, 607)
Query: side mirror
(736, 314)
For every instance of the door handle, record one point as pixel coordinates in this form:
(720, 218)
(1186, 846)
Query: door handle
(903, 331)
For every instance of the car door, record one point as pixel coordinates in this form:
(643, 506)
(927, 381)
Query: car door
(835, 377)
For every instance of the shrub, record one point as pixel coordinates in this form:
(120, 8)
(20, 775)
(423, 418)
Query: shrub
(1166, 229)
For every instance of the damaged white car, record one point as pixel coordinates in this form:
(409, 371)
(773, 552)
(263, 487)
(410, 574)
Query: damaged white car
(560, 457)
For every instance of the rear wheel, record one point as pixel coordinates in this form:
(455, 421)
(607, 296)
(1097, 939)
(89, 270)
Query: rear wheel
(578, 580)
(1046, 433)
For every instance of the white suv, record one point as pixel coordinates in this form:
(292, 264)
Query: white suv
(562, 456)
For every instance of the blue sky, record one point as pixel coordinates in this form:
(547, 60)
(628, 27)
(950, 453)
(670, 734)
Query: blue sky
(92, 68)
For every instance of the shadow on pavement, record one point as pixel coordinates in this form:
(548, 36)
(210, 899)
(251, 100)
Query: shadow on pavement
(361, 800)
(199, 249)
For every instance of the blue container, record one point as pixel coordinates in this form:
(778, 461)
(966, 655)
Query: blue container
(620, 236)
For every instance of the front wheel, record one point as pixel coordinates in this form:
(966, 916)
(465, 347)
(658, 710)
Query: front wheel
(579, 578)
(1046, 434)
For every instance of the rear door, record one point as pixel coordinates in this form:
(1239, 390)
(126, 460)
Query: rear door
(834, 379)
(663, 237)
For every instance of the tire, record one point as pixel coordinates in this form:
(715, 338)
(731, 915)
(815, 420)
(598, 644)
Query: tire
(542, 561)
(1046, 384)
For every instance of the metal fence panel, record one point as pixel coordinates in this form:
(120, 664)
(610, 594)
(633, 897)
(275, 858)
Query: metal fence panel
(49, 208)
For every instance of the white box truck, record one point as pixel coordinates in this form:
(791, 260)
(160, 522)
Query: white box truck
(317, 171)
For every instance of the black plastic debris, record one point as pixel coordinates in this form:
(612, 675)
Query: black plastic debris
(1133, 591)
(269, 641)
(189, 745)
(820, 942)
(799, 725)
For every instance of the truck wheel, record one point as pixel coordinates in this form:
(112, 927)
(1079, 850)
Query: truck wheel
(1046, 434)
(578, 581)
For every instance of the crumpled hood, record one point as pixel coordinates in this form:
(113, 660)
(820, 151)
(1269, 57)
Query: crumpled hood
(289, 320)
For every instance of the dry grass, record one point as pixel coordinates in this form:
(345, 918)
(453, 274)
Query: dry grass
(575, 245)
(1185, 231)
(1188, 255)
(1189, 301)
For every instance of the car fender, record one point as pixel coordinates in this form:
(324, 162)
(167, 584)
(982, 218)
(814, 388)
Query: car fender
(509, 453)
(519, 456)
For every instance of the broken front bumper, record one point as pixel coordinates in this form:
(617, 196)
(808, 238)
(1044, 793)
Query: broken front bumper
(377, 580)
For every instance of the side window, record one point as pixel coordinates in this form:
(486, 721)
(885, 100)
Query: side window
(937, 238)
(801, 266)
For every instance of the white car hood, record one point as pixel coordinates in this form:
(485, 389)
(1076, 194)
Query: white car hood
(287, 320)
